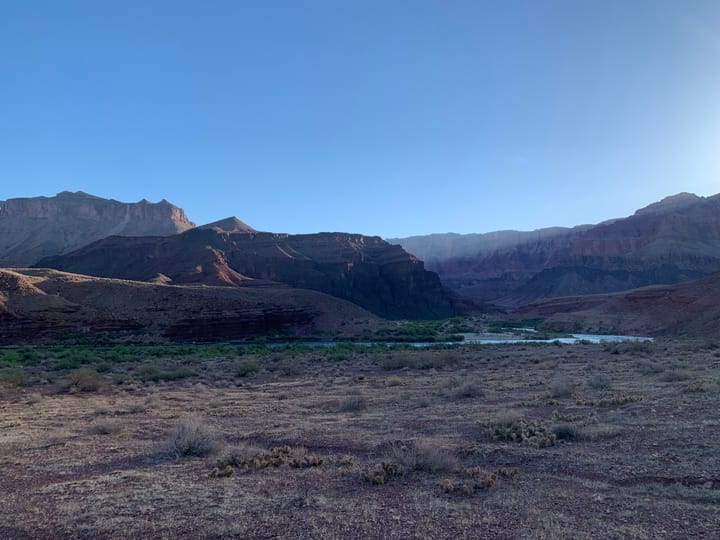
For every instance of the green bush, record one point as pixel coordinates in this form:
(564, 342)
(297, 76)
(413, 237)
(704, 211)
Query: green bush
(13, 377)
(247, 367)
(83, 380)
(153, 374)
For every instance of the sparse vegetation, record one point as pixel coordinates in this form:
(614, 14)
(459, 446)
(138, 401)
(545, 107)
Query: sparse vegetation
(462, 388)
(562, 386)
(352, 404)
(423, 455)
(13, 377)
(599, 381)
(193, 437)
(83, 380)
(310, 444)
(518, 430)
(248, 366)
(674, 375)
(648, 367)
(104, 427)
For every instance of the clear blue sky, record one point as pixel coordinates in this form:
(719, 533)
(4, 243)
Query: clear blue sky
(390, 117)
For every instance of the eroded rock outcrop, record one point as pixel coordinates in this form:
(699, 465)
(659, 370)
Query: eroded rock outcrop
(45, 304)
(671, 241)
(686, 309)
(367, 271)
(36, 227)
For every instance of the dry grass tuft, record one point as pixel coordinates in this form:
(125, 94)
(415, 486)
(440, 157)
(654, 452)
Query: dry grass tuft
(599, 381)
(461, 388)
(561, 387)
(352, 404)
(104, 427)
(423, 455)
(82, 380)
(192, 437)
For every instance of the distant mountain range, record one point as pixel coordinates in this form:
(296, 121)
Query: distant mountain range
(671, 241)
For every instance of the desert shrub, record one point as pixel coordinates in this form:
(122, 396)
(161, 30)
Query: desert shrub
(621, 399)
(418, 359)
(635, 348)
(561, 386)
(104, 367)
(248, 366)
(394, 381)
(13, 377)
(648, 367)
(352, 404)
(473, 479)
(149, 402)
(193, 437)
(66, 363)
(237, 456)
(446, 358)
(423, 455)
(9, 357)
(598, 381)
(82, 380)
(248, 457)
(104, 427)
(380, 474)
(514, 429)
(225, 472)
(436, 359)
(154, 374)
(459, 388)
(75, 357)
(34, 398)
(674, 375)
(397, 360)
(567, 432)
(290, 368)
(337, 354)
(509, 473)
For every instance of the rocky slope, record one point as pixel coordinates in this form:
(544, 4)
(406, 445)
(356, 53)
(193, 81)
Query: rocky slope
(687, 309)
(37, 227)
(672, 241)
(436, 247)
(367, 271)
(37, 304)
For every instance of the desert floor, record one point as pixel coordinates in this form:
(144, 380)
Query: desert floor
(512, 441)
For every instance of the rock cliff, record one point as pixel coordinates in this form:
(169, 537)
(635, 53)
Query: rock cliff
(37, 227)
(672, 241)
(367, 271)
(46, 304)
(686, 309)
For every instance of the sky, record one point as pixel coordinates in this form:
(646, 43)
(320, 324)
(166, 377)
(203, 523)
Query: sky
(382, 117)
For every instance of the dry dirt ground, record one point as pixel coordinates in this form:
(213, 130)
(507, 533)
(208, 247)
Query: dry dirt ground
(579, 441)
